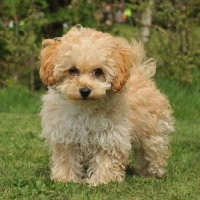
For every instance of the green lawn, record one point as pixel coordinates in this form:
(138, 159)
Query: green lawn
(24, 159)
(24, 172)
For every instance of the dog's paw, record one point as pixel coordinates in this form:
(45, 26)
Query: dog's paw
(95, 181)
(67, 177)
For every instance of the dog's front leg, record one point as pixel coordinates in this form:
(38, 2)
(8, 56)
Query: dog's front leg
(108, 165)
(66, 163)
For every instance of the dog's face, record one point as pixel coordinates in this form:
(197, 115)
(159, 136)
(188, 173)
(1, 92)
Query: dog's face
(85, 64)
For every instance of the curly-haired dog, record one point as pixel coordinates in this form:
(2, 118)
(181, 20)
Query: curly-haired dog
(101, 101)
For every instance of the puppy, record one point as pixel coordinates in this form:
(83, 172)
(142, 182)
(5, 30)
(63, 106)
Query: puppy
(100, 104)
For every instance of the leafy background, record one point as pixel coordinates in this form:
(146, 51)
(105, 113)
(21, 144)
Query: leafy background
(175, 25)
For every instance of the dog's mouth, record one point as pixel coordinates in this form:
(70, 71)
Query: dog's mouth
(90, 99)
(85, 98)
(84, 94)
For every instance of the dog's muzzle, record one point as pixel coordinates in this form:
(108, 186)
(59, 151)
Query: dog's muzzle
(84, 92)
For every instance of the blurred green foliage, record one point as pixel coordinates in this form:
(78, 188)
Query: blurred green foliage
(24, 24)
(175, 38)
(175, 34)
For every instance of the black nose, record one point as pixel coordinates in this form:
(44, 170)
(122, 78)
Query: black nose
(84, 92)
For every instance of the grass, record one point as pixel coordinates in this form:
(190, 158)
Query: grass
(18, 99)
(185, 101)
(24, 168)
(24, 159)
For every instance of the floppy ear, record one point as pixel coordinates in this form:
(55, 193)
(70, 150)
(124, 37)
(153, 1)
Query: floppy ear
(48, 57)
(124, 63)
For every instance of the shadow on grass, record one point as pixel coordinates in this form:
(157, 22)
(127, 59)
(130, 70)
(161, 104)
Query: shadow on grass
(130, 170)
(45, 171)
(42, 171)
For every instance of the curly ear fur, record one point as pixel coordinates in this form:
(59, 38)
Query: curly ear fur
(48, 57)
(125, 59)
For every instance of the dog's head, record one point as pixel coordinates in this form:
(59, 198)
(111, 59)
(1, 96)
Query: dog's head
(85, 64)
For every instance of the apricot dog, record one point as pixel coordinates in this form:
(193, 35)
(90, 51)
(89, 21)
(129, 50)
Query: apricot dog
(101, 103)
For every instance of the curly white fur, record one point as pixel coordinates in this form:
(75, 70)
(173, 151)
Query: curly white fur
(90, 139)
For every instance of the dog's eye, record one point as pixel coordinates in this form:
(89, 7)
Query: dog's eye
(98, 72)
(73, 70)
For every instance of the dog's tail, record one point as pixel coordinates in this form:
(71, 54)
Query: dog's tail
(143, 65)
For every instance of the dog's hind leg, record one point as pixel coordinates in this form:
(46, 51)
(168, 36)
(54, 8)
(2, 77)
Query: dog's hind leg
(151, 156)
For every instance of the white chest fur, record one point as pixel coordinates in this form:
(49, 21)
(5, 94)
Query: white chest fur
(67, 123)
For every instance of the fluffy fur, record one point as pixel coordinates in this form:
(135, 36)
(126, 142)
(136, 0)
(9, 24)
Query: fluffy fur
(92, 132)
